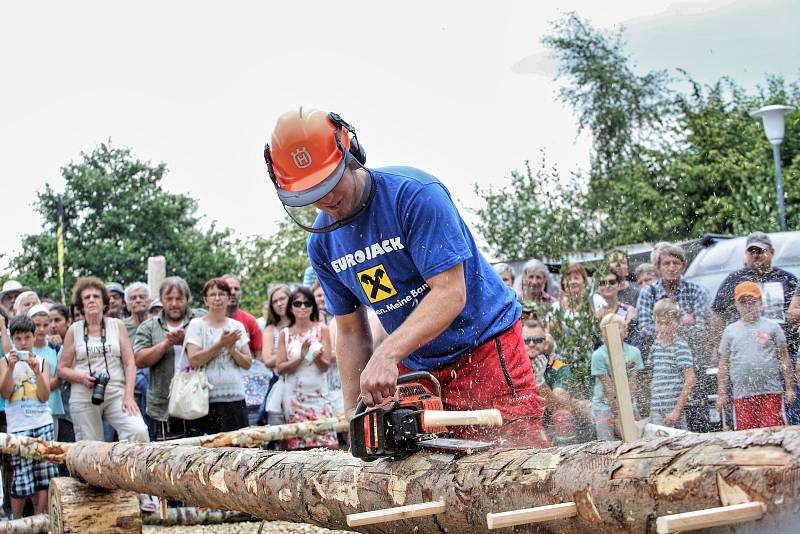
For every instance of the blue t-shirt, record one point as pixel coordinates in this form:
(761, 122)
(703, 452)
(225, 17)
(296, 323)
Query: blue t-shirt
(601, 365)
(51, 356)
(410, 232)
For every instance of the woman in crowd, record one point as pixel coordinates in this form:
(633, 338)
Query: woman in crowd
(59, 324)
(304, 356)
(220, 344)
(95, 346)
(276, 321)
(646, 274)
(608, 287)
(25, 301)
(505, 272)
(319, 296)
(574, 325)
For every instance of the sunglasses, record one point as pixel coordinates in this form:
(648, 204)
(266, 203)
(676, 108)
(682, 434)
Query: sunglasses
(603, 283)
(534, 339)
(302, 304)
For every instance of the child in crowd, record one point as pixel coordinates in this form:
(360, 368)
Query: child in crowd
(753, 354)
(673, 368)
(553, 379)
(604, 401)
(25, 384)
(43, 350)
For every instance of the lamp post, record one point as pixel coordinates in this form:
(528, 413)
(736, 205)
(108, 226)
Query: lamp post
(774, 126)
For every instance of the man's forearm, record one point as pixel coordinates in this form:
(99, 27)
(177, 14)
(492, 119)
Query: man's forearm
(353, 349)
(713, 334)
(151, 355)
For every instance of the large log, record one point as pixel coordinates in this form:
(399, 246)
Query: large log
(256, 436)
(40, 524)
(616, 487)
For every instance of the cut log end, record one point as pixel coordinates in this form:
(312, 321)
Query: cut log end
(76, 507)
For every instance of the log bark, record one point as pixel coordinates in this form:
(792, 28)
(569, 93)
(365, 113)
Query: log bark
(616, 487)
(256, 436)
(76, 507)
(36, 448)
(186, 516)
(35, 524)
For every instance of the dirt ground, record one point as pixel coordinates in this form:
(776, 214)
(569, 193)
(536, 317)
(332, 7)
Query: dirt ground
(270, 527)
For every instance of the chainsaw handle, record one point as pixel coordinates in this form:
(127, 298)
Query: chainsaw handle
(408, 377)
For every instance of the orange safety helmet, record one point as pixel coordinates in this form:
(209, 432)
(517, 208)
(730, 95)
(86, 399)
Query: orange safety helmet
(308, 154)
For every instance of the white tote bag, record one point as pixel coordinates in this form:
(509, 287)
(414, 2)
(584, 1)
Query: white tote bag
(188, 390)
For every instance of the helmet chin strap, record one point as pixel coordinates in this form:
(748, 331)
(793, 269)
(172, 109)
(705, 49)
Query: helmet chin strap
(366, 199)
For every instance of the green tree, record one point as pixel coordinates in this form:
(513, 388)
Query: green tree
(519, 221)
(116, 215)
(277, 258)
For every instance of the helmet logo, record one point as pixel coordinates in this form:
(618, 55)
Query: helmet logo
(301, 158)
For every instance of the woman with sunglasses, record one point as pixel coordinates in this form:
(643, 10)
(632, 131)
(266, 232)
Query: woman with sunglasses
(220, 344)
(304, 356)
(609, 287)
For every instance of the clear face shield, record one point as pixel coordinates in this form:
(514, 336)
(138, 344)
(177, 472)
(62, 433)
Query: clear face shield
(334, 202)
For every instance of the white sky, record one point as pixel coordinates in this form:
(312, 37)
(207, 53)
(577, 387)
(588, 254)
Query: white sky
(428, 84)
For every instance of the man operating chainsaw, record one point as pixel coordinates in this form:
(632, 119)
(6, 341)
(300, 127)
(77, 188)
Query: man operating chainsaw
(392, 239)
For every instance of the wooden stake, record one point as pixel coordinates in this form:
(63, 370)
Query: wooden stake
(162, 501)
(156, 272)
(394, 514)
(712, 517)
(434, 418)
(617, 357)
(531, 515)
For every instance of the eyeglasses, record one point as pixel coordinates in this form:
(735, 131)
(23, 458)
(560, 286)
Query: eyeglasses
(534, 339)
(302, 303)
(756, 251)
(603, 283)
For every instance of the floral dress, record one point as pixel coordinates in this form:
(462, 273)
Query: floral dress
(305, 395)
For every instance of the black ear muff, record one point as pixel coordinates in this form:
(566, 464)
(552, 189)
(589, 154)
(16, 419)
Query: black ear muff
(356, 149)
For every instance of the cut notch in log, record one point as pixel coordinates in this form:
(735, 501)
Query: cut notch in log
(712, 517)
(531, 515)
(395, 514)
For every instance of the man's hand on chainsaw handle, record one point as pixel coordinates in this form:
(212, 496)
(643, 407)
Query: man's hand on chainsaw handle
(379, 378)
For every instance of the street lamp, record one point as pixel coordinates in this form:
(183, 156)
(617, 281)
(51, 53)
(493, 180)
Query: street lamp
(774, 127)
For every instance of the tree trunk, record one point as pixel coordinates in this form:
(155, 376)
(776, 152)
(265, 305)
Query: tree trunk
(616, 487)
(35, 448)
(255, 436)
(35, 524)
(40, 524)
(78, 508)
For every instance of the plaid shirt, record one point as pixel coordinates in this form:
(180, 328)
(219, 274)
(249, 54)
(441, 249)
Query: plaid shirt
(691, 298)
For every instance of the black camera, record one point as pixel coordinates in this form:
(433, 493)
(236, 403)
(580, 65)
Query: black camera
(99, 391)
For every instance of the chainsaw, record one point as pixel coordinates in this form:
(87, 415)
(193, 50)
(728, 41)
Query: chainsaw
(412, 419)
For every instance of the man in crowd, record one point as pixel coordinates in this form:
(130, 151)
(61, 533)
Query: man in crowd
(116, 299)
(393, 239)
(777, 289)
(137, 298)
(692, 302)
(618, 262)
(235, 312)
(158, 346)
(11, 290)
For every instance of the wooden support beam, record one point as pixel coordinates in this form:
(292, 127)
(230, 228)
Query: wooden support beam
(395, 514)
(617, 357)
(712, 517)
(531, 515)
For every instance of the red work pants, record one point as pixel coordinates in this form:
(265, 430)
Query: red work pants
(496, 374)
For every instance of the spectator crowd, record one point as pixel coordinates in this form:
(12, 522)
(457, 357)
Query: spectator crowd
(101, 367)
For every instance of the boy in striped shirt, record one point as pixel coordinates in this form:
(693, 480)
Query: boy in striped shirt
(673, 368)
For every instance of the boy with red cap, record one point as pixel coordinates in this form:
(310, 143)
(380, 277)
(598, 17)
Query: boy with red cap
(754, 355)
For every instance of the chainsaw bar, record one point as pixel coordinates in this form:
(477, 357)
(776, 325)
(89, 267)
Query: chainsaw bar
(463, 446)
